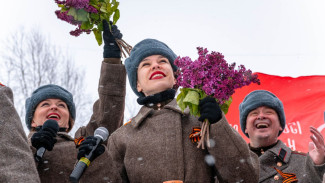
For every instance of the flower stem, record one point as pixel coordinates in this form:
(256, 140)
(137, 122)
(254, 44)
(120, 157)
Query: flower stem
(205, 136)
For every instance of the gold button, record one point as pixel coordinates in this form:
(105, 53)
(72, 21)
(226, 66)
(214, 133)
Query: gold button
(279, 164)
(276, 177)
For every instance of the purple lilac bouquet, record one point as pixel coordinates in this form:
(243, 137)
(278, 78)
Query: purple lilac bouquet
(209, 75)
(88, 15)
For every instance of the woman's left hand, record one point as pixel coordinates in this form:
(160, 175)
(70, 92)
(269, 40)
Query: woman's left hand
(209, 109)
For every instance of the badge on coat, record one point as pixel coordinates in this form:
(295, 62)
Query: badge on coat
(195, 134)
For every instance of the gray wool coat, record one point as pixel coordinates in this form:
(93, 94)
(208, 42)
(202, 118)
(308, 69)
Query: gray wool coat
(288, 161)
(108, 112)
(155, 147)
(17, 161)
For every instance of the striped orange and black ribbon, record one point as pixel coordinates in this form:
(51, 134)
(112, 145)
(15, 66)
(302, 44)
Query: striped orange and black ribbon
(78, 141)
(195, 135)
(287, 177)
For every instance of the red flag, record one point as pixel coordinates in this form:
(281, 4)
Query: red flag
(303, 99)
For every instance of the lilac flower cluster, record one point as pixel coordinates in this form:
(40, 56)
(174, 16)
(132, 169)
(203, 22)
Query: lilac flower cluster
(212, 74)
(68, 18)
(77, 4)
(78, 31)
(65, 17)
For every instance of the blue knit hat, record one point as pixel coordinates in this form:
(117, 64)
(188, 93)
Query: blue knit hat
(257, 99)
(142, 50)
(47, 92)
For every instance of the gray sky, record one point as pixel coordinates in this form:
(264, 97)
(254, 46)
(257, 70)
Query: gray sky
(280, 37)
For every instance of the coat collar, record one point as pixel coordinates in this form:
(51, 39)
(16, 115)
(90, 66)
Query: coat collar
(145, 111)
(63, 135)
(271, 158)
(282, 151)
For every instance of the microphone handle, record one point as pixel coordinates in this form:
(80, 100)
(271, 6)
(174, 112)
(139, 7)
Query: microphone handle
(82, 164)
(39, 154)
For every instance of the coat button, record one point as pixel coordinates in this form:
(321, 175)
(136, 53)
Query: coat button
(279, 164)
(276, 177)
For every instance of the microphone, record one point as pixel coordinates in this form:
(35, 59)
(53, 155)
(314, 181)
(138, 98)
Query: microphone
(101, 135)
(51, 126)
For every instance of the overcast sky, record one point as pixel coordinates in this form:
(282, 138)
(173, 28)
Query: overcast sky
(280, 37)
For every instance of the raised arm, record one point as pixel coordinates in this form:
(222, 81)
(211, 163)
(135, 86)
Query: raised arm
(108, 110)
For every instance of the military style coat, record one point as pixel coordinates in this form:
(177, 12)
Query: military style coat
(108, 112)
(155, 147)
(17, 161)
(287, 161)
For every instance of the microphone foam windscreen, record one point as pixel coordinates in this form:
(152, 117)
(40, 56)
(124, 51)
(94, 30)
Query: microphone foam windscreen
(51, 125)
(102, 133)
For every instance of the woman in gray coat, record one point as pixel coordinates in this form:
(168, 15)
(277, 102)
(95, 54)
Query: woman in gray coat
(17, 162)
(155, 145)
(56, 103)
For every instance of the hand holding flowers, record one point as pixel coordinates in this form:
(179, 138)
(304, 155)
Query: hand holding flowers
(88, 16)
(209, 75)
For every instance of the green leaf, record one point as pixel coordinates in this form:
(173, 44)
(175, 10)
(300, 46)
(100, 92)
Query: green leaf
(86, 25)
(109, 9)
(116, 16)
(94, 16)
(115, 6)
(192, 100)
(73, 12)
(100, 26)
(82, 15)
(195, 110)
(79, 15)
(192, 97)
(64, 9)
(93, 2)
(98, 36)
(103, 8)
(179, 99)
(225, 106)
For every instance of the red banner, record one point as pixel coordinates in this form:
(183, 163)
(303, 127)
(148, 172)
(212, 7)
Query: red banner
(303, 99)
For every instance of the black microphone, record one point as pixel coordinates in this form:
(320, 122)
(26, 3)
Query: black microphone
(101, 135)
(51, 126)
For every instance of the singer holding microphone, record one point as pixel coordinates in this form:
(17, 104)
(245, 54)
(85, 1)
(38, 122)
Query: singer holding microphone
(55, 151)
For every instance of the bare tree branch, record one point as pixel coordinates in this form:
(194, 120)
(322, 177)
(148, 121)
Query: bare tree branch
(32, 61)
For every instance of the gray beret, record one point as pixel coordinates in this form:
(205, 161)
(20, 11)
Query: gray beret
(257, 99)
(46, 92)
(142, 50)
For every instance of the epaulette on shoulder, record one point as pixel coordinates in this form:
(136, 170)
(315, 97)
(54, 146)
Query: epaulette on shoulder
(299, 152)
(128, 122)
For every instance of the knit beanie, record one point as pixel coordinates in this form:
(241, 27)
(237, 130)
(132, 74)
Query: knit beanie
(257, 99)
(142, 50)
(47, 92)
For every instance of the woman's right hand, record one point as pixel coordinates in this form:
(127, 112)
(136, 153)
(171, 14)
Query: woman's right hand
(43, 138)
(111, 49)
